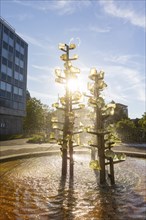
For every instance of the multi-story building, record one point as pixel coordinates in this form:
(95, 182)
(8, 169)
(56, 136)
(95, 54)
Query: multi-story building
(121, 108)
(13, 79)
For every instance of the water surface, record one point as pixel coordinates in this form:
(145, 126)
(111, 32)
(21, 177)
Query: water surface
(33, 189)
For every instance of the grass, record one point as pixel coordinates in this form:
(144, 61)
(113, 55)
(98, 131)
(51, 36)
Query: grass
(38, 138)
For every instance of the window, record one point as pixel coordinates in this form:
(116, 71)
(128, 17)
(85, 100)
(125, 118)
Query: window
(10, 49)
(9, 71)
(11, 35)
(10, 64)
(21, 70)
(6, 37)
(4, 68)
(16, 75)
(20, 92)
(16, 91)
(17, 47)
(4, 60)
(20, 77)
(22, 50)
(16, 68)
(2, 124)
(6, 30)
(17, 61)
(21, 106)
(17, 54)
(5, 45)
(21, 64)
(3, 85)
(8, 87)
(22, 57)
(5, 53)
(11, 41)
(10, 56)
(15, 105)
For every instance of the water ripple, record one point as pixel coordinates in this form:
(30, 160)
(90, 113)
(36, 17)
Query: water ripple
(33, 189)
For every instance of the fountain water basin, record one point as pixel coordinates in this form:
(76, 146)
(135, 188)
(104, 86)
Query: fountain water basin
(33, 189)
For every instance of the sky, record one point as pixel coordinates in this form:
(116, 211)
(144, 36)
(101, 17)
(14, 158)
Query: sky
(109, 35)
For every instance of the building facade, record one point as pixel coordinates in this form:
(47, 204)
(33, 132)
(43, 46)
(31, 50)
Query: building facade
(13, 79)
(121, 108)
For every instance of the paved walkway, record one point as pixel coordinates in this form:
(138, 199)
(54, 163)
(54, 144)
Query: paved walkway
(20, 148)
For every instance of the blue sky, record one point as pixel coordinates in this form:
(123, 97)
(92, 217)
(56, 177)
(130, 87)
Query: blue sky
(110, 35)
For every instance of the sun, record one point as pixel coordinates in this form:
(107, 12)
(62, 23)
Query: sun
(73, 85)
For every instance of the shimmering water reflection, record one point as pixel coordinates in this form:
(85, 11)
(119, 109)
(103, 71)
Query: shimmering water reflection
(33, 189)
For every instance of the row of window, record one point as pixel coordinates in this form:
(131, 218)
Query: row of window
(18, 76)
(19, 62)
(10, 41)
(10, 65)
(12, 104)
(11, 50)
(5, 69)
(8, 87)
(18, 105)
(7, 47)
(18, 91)
(5, 86)
(12, 35)
(9, 56)
(8, 71)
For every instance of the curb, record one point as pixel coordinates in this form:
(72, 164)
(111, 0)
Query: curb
(132, 154)
(57, 152)
(27, 155)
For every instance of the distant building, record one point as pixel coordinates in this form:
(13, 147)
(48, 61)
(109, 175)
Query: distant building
(120, 107)
(13, 79)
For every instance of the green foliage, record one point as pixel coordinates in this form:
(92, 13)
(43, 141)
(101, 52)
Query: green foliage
(142, 122)
(38, 138)
(38, 117)
(131, 130)
(94, 164)
(119, 114)
(125, 124)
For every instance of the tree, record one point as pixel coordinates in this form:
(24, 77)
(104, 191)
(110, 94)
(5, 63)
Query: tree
(126, 130)
(37, 116)
(132, 130)
(142, 122)
(121, 112)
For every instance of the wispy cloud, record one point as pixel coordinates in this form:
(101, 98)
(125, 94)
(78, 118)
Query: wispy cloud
(44, 68)
(122, 59)
(40, 78)
(32, 40)
(99, 29)
(125, 83)
(41, 42)
(21, 17)
(90, 28)
(111, 57)
(62, 7)
(133, 17)
(41, 95)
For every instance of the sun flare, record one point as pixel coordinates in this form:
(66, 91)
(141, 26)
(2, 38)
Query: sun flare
(73, 85)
